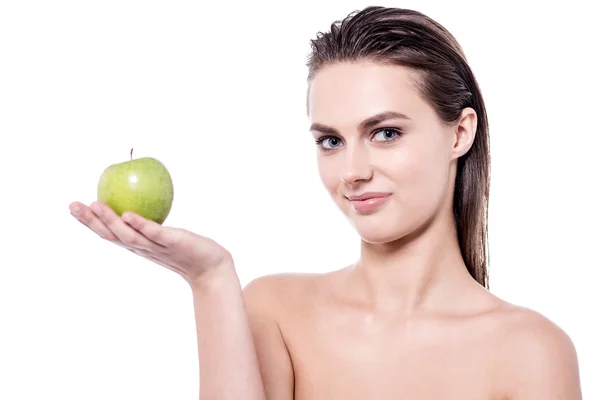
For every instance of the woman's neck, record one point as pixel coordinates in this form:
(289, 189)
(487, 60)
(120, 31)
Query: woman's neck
(421, 271)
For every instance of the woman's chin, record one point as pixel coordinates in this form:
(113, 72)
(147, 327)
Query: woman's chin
(378, 233)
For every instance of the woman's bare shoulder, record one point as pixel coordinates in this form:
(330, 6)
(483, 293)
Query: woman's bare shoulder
(519, 324)
(282, 291)
(538, 358)
(287, 281)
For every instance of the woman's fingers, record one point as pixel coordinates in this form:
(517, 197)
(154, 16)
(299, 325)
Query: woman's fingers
(124, 233)
(89, 219)
(135, 236)
(102, 220)
(150, 229)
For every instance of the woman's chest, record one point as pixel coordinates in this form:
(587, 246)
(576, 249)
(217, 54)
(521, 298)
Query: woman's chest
(349, 356)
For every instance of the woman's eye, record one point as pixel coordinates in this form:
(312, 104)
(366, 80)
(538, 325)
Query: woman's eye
(385, 135)
(330, 142)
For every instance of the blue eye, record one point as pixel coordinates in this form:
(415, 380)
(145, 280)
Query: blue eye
(386, 134)
(329, 142)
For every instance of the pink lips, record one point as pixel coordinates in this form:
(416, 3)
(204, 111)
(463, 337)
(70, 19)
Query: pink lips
(368, 201)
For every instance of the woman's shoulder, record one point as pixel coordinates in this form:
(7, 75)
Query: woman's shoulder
(533, 351)
(288, 283)
(283, 282)
(523, 326)
(281, 292)
(523, 332)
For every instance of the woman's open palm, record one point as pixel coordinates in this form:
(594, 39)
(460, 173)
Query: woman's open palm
(190, 255)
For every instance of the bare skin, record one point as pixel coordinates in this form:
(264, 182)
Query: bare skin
(406, 321)
(318, 338)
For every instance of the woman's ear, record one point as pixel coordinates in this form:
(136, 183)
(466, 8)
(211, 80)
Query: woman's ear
(464, 132)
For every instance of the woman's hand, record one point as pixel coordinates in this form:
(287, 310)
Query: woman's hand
(192, 256)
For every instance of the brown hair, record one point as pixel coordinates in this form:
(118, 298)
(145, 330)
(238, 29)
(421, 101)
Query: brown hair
(412, 39)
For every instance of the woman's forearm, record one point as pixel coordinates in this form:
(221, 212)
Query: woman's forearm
(229, 368)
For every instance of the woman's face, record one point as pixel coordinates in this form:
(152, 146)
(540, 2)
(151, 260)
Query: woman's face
(376, 134)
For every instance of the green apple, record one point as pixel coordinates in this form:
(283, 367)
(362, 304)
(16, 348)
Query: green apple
(141, 185)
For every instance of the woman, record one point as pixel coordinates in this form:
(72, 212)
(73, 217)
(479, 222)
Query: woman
(402, 140)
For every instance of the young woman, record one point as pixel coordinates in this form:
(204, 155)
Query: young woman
(402, 139)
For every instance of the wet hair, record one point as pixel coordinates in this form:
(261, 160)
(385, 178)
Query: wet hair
(408, 38)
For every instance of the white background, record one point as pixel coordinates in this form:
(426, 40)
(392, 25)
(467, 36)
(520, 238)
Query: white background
(217, 92)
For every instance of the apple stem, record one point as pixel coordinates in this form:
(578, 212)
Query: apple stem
(131, 154)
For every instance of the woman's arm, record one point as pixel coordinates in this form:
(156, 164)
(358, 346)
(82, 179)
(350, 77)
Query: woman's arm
(228, 364)
(241, 350)
(264, 298)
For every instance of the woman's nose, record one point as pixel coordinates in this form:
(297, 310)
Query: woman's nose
(357, 167)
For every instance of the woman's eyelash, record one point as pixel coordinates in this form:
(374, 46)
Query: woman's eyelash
(322, 139)
(398, 132)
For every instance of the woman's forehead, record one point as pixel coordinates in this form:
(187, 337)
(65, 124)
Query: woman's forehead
(352, 92)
